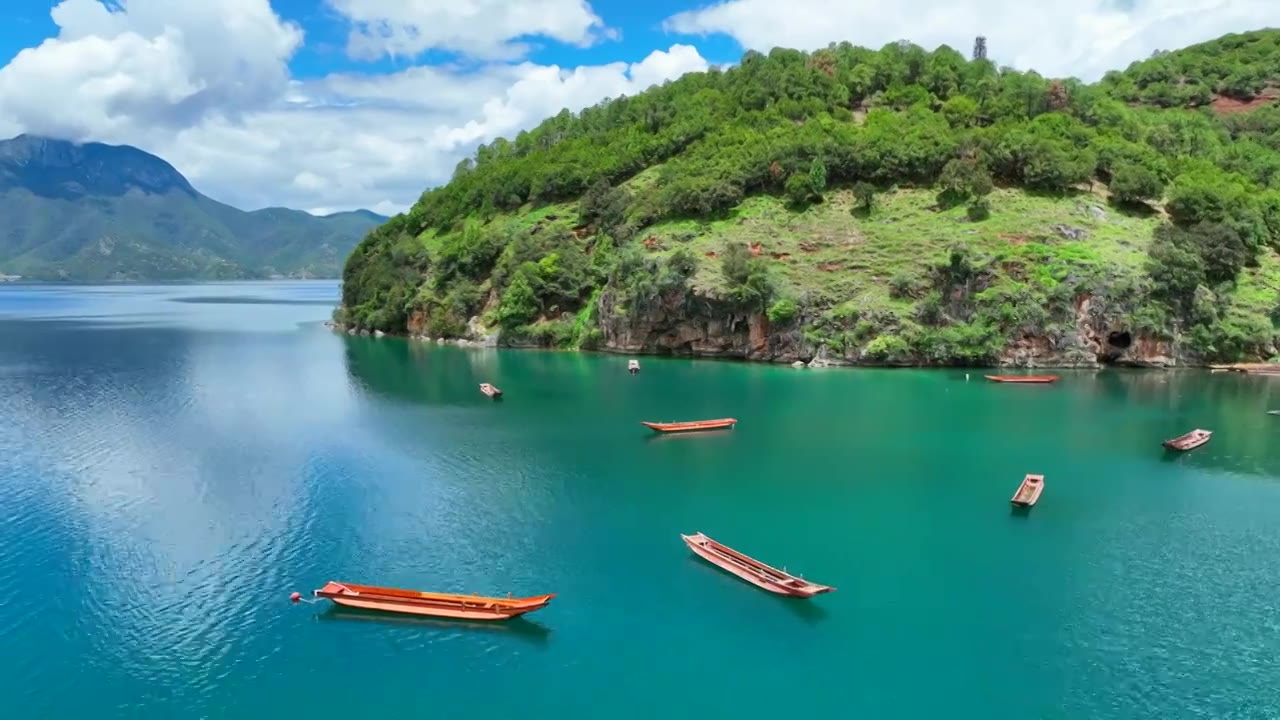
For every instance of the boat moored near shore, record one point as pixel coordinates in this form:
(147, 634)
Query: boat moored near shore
(1024, 379)
(633, 366)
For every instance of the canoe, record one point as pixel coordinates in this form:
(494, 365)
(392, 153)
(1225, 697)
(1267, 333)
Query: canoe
(412, 602)
(490, 390)
(1025, 379)
(1029, 491)
(695, 426)
(633, 366)
(1190, 441)
(751, 570)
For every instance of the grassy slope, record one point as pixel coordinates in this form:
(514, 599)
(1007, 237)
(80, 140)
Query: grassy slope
(831, 256)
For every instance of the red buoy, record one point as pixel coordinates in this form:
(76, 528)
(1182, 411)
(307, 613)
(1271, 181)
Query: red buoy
(295, 597)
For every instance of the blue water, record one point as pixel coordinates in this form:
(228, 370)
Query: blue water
(175, 460)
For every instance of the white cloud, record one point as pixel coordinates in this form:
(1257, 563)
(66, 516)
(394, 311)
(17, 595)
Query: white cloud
(148, 62)
(377, 142)
(490, 29)
(544, 91)
(1084, 38)
(206, 87)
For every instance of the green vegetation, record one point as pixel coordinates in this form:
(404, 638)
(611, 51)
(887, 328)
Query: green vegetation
(896, 206)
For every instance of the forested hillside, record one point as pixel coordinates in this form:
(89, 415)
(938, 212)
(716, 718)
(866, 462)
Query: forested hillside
(896, 206)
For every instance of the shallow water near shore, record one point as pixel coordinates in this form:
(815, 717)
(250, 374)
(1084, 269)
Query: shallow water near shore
(175, 460)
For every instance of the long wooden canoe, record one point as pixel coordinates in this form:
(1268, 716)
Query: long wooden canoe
(490, 390)
(412, 602)
(1024, 379)
(694, 426)
(752, 570)
(1029, 491)
(1190, 441)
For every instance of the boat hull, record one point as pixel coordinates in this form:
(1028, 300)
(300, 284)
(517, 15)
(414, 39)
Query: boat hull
(1028, 493)
(1190, 441)
(441, 605)
(425, 611)
(688, 427)
(719, 559)
(1023, 379)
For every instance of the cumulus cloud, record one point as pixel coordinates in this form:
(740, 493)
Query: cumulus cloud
(375, 141)
(148, 62)
(489, 29)
(206, 86)
(1084, 38)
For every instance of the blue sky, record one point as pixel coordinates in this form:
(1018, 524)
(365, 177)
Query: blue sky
(338, 104)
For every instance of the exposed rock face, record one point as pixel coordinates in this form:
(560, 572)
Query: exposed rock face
(680, 324)
(690, 324)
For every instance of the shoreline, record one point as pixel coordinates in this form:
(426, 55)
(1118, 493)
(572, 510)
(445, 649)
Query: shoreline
(1242, 368)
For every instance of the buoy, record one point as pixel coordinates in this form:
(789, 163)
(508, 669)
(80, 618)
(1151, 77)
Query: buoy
(295, 597)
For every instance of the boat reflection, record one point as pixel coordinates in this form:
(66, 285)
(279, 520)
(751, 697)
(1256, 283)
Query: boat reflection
(527, 630)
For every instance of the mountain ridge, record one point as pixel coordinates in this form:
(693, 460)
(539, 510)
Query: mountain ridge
(94, 212)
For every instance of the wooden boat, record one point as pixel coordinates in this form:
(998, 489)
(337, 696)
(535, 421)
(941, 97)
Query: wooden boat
(633, 366)
(695, 426)
(1249, 368)
(1029, 491)
(1190, 441)
(1024, 379)
(751, 570)
(490, 390)
(412, 602)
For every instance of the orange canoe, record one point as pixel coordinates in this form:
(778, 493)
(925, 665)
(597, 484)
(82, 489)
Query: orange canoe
(1190, 441)
(490, 390)
(412, 602)
(695, 426)
(1027, 379)
(752, 570)
(1029, 491)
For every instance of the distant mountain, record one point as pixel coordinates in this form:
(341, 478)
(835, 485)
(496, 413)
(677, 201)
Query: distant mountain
(102, 212)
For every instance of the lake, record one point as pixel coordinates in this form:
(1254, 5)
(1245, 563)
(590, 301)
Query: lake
(175, 460)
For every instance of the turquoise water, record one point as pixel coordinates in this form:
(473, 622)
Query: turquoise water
(176, 460)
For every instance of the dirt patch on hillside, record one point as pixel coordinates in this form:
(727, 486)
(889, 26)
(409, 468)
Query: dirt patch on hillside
(1227, 105)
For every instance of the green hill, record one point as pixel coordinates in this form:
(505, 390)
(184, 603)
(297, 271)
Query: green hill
(852, 206)
(98, 212)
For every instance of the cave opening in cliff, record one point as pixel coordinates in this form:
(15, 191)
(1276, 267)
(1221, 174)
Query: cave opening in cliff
(1121, 340)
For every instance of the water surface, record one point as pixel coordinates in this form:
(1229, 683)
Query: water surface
(176, 459)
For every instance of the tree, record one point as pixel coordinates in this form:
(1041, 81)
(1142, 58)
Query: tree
(865, 195)
(1222, 250)
(961, 111)
(963, 179)
(799, 189)
(979, 209)
(817, 176)
(519, 305)
(1135, 184)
